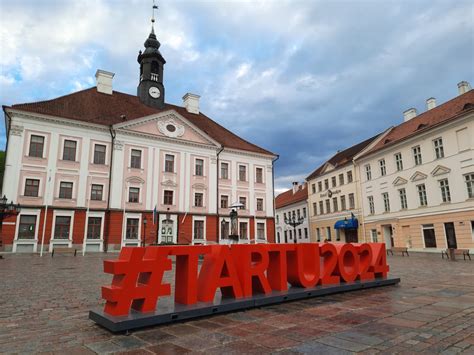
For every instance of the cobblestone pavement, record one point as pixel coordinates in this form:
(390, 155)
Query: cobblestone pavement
(44, 304)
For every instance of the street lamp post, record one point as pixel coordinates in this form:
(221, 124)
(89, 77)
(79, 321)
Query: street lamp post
(144, 230)
(6, 209)
(294, 222)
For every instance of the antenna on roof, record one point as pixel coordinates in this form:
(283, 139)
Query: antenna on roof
(155, 7)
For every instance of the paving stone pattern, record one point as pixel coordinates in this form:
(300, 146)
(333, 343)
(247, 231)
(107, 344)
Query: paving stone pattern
(44, 304)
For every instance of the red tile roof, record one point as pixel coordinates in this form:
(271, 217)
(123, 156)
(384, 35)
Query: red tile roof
(288, 197)
(427, 120)
(343, 157)
(94, 107)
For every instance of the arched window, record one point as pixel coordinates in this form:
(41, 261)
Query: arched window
(154, 67)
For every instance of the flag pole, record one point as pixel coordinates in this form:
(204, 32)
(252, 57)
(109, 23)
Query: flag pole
(45, 211)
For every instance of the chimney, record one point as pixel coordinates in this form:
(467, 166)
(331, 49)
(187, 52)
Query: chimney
(295, 187)
(463, 87)
(191, 103)
(104, 81)
(430, 103)
(409, 114)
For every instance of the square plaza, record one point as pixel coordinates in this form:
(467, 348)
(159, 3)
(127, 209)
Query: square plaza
(44, 308)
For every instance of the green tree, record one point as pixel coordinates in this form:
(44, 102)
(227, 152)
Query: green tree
(2, 169)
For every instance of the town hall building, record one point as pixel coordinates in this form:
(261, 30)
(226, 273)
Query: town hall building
(99, 169)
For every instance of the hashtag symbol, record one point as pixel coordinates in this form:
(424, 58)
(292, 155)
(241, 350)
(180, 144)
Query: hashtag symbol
(137, 280)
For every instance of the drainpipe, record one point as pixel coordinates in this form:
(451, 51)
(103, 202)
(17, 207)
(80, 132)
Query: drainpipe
(106, 237)
(273, 188)
(217, 194)
(5, 165)
(359, 197)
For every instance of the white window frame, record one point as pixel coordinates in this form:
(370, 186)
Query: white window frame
(370, 200)
(73, 190)
(383, 167)
(244, 220)
(194, 199)
(131, 242)
(220, 201)
(33, 242)
(130, 186)
(418, 191)
(163, 196)
(228, 170)
(63, 142)
(195, 165)
(247, 207)
(263, 204)
(100, 241)
(417, 155)
(438, 149)
(141, 158)
(469, 184)
(263, 174)
(403, 198)
(368, 172)
(45, 141)
(203, 219)
(372, 233)
(445, 190)
(386, 202)
(246, 172)
(32, 177)
(89, 195)
(61, 242)
(106, 163)
(256, 221)
(398, 161)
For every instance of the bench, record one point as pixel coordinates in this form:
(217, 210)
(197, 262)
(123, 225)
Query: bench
(398, 249)
(64, 250)
(463, 252)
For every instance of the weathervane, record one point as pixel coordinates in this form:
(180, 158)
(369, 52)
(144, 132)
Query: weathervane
(155, 7)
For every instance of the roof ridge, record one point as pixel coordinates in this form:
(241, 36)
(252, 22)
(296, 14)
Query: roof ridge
(56, 98)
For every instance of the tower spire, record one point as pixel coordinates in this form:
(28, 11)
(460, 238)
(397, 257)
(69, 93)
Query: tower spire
(155, 7)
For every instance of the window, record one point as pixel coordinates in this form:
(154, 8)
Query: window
(349, 177)
(93, 227)
(136, 159)
(62, 227)
(32, 187)
(326, 184)
(99, 154)
(306, 233)
(243, 201)
(338, 234)
(351, 202)
(27, 227)
(298, 213)
(313, 188)
(472, 229)
(315, 209)
(328, 233)
(373, 233)
(132, 228)
(242, 173)
(133, 194)
(371, 204)
(417, 155)
(383, 169)
(422, 194)
(321, 207)
(286, 236)
(277, 218)
(386, 202)
(243, 230)
(260, 230)
(304, 212)
(299, 233)
(445, 193)
(429, 235)
(403, 199)
(469, 178)
(169, 163)
(65, 190)
(259, 204)
(259, 175)
(318, 234)
(36, 146)
(224, 201)
(438, 147)
(320, 186)
(334, 203)
(168, 197)
(96, 192)
(224, 171)
(333, 181)
(284, 215)
(199, 168)
(199, 230)
(328, 206)
(368, 172)
(198, 199)
(225, 229)
(69, 152)
(341, 179)
(399, 161)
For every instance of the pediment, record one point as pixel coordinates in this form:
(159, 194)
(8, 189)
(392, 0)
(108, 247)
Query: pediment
(199, 186)
(327, 167)
(399, 181)
(417, 176)
(169, 183)
(168, 125)
(135, 180)
(440, 170)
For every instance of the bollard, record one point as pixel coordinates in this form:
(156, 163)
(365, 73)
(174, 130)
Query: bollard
(452, 257)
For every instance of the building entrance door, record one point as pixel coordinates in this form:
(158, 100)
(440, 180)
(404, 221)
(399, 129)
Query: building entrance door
(387, 232)
(450, 235)
(351, 235)
(167, 231)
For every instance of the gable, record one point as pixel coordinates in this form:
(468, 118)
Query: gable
(170, 125)
(327, 167)
(440, 170)
(399, 181)
(417, 176)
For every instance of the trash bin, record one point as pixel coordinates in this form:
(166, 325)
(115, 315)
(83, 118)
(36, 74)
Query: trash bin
(452, 257)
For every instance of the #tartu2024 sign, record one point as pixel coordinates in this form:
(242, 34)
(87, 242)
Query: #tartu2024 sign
(238, 270)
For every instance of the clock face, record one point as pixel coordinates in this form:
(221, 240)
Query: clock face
(154, 92)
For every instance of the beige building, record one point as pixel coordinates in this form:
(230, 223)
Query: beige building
(334, 197)
(417, 181)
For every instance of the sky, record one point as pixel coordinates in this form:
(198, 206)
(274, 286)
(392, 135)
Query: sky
(303, 79)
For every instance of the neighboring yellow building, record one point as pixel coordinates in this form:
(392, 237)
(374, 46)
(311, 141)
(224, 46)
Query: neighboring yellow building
(334, 197)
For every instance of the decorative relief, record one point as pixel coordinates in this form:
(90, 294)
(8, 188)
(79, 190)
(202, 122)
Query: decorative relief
(199, 186)
(170, 128)
(118, 145)
(16, 130)
(169, 183)
(399, 181)
(440, 170)
(417, 176)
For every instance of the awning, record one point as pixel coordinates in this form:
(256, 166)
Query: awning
(351, 223)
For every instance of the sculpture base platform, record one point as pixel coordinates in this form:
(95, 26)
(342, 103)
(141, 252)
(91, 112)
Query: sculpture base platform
(168, 312)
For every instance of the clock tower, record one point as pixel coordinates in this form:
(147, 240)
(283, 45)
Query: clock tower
(151, 90)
